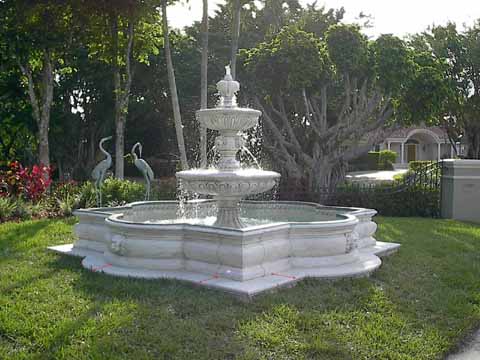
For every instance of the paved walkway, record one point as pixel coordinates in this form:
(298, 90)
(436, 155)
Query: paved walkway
(469, 352)
(371, 176)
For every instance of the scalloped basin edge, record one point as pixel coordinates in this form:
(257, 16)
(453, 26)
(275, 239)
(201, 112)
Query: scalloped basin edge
(123, 241)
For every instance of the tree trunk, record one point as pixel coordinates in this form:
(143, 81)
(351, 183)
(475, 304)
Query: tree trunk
(204, 84)
(321, 156)
(117, 91)
(119, 127)
(42, 103)
(173, 90)
(122, 93)
(473, 141)
(43, 146)
(235, 36)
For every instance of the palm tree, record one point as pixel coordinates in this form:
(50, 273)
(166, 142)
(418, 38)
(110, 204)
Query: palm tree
(204, 84)
(173, 89)
(237, 8)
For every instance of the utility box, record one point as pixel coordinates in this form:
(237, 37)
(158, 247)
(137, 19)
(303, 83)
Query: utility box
(461, 190)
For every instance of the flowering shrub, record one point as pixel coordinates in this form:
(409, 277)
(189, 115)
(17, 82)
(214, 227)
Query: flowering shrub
(19, 181)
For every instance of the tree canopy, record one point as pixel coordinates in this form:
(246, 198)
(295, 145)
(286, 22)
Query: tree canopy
(72, 72)
(327, 101)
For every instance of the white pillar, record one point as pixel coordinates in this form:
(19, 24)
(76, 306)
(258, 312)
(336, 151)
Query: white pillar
(388, 145)
(438, 151)
(402, 147)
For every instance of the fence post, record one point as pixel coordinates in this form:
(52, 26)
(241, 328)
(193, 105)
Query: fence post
(460, 190)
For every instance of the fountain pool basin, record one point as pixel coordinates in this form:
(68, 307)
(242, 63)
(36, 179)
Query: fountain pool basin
(282, 242)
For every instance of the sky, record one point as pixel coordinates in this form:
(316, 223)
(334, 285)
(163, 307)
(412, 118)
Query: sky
(399, 17)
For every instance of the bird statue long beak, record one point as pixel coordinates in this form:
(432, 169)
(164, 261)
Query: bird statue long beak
(140, 148)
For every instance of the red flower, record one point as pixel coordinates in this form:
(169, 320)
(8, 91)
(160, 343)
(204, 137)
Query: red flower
(31, 183)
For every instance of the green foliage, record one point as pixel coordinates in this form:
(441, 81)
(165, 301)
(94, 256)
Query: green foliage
(373, 160)
(109, 47)
(426, 96)
(419, 305)
(87, 195)
(17, 128)
(393, 63)
(386, 159)
(348, 49)
(293, 59)
(64, 198)
(388, 201)
(419, 164)
(378, 160)
(24, 210)
(115, 192)
(7, 208)
(457, 53)
(119, 192)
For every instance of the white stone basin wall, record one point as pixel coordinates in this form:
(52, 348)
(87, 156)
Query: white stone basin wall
(91, 228)
(127, 240)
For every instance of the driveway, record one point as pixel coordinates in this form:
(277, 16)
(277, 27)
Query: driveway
(374, 175)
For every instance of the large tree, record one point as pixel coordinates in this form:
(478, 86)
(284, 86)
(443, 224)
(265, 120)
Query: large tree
(36, 35)
(17, 128)
(122, 36)
(460, 54)
(327, 101)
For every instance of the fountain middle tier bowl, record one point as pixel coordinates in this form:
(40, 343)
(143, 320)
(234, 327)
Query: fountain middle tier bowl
(226, 184)
(229, 119)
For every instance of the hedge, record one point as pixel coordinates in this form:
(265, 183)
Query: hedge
(387, 199)
(390, 200)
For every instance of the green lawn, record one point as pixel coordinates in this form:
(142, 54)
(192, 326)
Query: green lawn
(419, 305)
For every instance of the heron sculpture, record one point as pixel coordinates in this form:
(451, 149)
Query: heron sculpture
(98, 173)
(144, 168)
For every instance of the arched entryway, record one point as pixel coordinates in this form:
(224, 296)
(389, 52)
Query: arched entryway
(421, 144)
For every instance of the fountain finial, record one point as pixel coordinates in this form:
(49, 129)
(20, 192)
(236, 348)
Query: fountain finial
(228, 72)
(227, 88)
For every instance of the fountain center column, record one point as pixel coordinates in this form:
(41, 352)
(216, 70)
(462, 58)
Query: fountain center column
(228, 144)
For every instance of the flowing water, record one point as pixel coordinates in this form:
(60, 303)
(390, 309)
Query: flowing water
(245, 150)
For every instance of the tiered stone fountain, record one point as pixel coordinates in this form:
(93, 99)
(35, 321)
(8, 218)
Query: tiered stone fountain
(228, 183)
(244, 247)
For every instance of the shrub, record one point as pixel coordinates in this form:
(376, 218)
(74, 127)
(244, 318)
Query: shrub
(415, 166)
(119, 192)
(373, 158)
(23, 210)
(7, 208)
(386, 159)
(71, 196)
(390, 200)
(68, 204)
(87, 197)
(23, 182)
(376, 160)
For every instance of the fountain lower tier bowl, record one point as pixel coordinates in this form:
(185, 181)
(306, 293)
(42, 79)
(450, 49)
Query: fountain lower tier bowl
(228, 184)
(282, 243)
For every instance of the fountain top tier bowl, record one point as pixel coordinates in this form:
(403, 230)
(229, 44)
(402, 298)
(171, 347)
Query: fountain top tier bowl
(228, 120)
